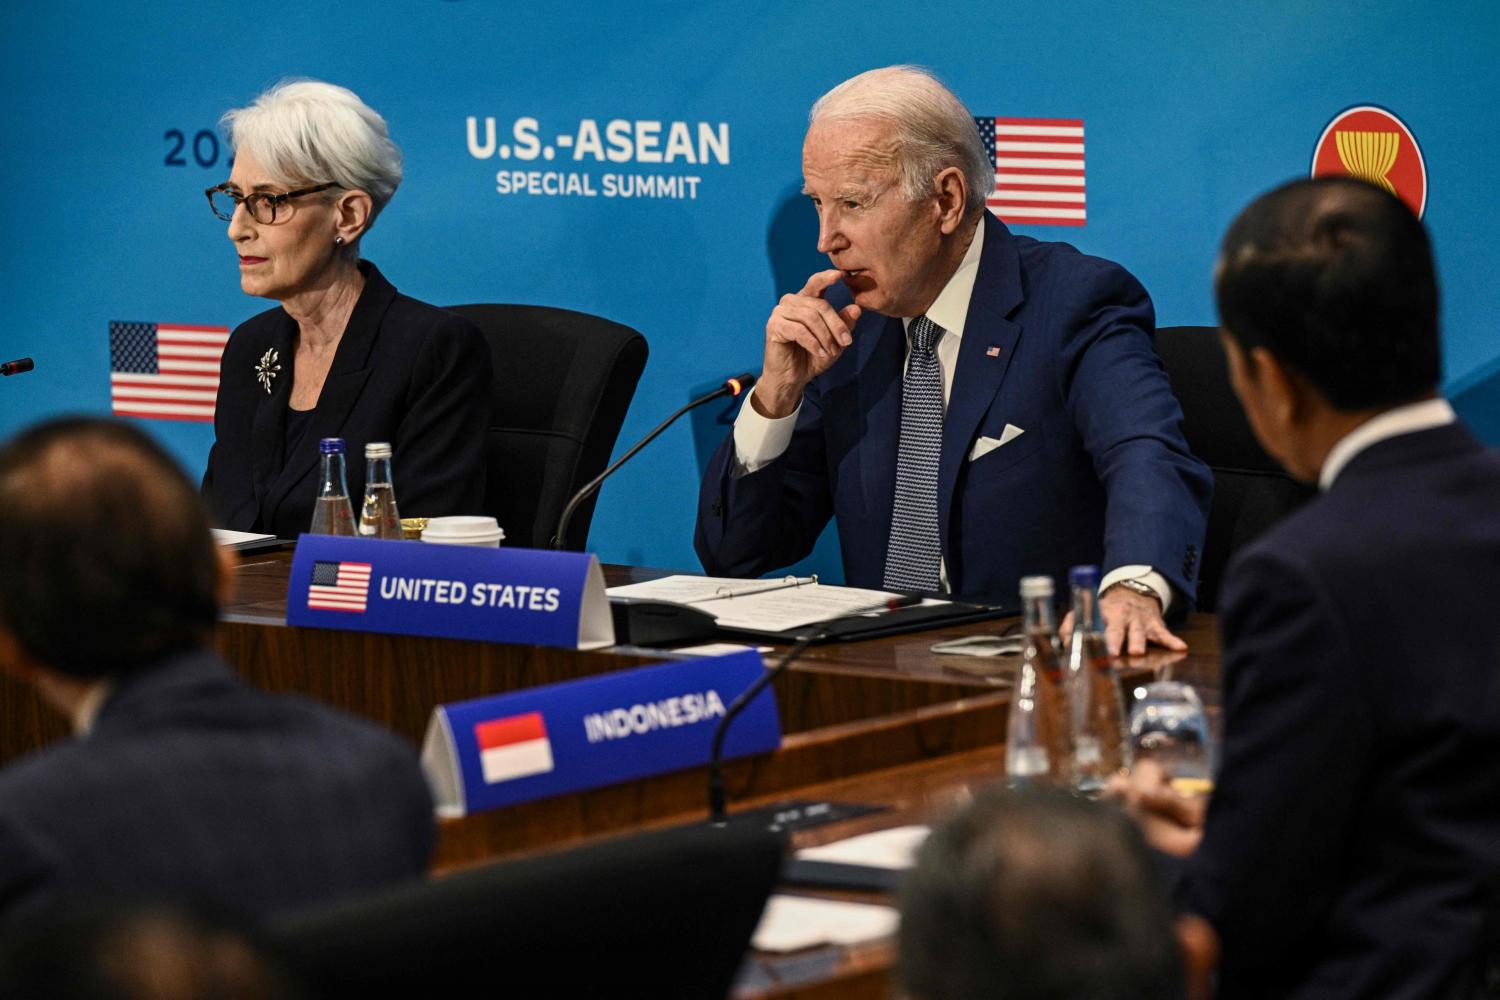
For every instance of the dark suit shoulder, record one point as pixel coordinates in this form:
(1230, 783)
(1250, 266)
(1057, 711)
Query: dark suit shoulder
(196, 785)
(417, 316)
(1061, 269)
(1414, 494)
(199, 700)
(34, 776)
(413, 328)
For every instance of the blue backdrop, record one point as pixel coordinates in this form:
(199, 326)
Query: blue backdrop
(1190, 109)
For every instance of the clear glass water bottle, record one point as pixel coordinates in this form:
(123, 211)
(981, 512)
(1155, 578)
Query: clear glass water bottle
(378, 518)
(1036, 741)
(332, 512)
(1097, 712)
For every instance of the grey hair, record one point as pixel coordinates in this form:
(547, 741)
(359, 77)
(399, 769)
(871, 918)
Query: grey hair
(934, 131)
(311, 132)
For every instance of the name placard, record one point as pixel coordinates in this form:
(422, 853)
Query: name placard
(566, 737)
(529, 596)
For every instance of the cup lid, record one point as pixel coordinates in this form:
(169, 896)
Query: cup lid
(461, 525)
(1036, 586)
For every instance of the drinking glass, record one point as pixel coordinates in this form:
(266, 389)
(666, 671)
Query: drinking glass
(1168, 725)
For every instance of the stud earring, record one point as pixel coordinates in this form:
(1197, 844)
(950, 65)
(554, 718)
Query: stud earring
(338, 241)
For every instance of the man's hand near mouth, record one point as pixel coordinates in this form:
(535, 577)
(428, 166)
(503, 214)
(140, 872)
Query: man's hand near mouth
(804, 337)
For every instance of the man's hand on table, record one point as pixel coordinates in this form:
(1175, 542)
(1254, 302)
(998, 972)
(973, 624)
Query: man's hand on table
(1131, 620)
(1172, 823)
(804, 337)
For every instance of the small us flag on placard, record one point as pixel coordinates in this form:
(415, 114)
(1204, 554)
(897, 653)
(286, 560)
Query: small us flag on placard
(1038, 169)
(339, 586)
(513, 747)
(164, 371)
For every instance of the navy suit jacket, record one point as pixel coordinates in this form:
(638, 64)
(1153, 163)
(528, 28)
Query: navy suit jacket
(1357, 810)
(1055, 343)
(194, 786)
(404, 372)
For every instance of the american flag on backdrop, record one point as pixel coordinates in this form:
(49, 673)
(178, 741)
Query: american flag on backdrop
(339, 586)
(1038, 169)
(164, 371)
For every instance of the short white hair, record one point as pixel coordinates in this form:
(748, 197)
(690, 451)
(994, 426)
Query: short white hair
(311, 132)
(934, 131)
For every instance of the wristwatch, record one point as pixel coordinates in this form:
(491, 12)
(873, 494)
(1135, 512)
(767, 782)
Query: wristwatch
(1137, 586)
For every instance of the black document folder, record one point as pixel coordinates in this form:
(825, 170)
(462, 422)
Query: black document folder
(918, 618)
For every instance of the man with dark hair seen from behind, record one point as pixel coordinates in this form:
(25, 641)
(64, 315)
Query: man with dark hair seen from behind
(1356, 817)
(183, 782)
(1036, 895)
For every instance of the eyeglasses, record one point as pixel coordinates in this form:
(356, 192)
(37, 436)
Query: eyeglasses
(262, 206)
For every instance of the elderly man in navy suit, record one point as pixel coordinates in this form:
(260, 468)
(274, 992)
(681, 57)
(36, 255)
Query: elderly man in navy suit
(970, 406)
(182, 783)
(1350, 846)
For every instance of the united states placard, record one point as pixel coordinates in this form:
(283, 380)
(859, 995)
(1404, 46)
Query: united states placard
(1039, 174)
(164, 371)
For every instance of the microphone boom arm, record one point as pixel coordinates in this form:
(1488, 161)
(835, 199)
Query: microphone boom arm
(731, 387)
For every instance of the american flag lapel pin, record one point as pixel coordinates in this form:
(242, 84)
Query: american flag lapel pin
(992, 352)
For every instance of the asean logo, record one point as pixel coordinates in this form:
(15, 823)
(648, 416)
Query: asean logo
(1372, 144)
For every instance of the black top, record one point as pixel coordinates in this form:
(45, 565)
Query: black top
(404, 372)
(297, 422)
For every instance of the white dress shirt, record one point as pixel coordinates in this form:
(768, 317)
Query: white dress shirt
(760, 440)
(88, 708)
(1408, 419)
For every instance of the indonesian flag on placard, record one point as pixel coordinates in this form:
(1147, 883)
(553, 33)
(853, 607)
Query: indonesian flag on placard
(513, 747)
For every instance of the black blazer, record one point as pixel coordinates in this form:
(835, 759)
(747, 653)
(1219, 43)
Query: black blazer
(404, 372)
(1357, 811)
(195, 786)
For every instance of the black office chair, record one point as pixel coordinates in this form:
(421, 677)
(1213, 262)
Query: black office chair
(563, 381)
(667, 914)
(1251, 492)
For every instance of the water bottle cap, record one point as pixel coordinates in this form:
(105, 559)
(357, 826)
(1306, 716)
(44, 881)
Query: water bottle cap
(1036, 586)
(1084, 576)
(378, 449)
(331, 446)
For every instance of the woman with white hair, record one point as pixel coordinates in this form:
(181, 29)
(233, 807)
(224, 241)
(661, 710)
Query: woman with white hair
(344, 354)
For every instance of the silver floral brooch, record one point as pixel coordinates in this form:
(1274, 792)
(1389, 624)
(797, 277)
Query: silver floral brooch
(266, 369)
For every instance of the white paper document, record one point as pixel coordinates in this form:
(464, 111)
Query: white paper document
(791, 923)
(760, 605)
(684, 589)
(234, 539)
(895, 848)
(718, 649)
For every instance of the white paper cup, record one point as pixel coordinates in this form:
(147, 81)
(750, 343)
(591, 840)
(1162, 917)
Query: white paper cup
(483, 532)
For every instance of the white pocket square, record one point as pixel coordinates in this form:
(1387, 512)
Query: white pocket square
(985, 445)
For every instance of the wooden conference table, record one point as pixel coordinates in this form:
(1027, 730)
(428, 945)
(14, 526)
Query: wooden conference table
(882, 721)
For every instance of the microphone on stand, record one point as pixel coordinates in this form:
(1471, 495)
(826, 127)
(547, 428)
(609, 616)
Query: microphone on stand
(17, 366)
(821, 630)
(731, 387)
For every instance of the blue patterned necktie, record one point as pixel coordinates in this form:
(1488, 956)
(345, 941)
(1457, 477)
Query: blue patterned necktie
(912, 555)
